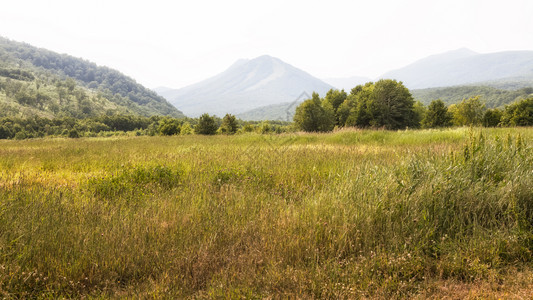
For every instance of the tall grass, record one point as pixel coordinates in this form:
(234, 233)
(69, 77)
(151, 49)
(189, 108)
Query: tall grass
(343, 215)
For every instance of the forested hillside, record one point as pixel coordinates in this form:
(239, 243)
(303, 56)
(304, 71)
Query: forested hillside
(39, 82)
(491, 96)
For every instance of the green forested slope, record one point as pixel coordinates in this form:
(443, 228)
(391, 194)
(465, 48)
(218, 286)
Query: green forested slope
(36, 81)
(493, 97)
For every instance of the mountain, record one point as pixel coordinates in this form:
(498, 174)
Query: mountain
(347, 84)
(246, 85)
(39, 82)
(463, 66)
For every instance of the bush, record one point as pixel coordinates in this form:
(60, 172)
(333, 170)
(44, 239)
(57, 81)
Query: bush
(169, 127)
(21, 135)
(73, 134)
(186, 128)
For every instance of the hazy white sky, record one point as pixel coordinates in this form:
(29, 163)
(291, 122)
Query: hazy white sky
(176, 43)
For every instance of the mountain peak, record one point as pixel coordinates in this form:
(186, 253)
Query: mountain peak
(264, 57)
(246, 85)
(267, 60)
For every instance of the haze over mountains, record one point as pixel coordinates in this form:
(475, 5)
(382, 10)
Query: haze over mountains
(36, 81)
(264, 87)
(347, 83)
(246, 85)
(464, 66)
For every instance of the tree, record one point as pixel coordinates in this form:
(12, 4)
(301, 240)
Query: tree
(5, 133)
(386, 103)
(186, 129)
(343, 112)
(419, 113)
(469, 112)
(333, 100)
(437, 115)
(391, 105)
(264, 127)
(519, 113)
(169, 126)
(206, 125)
(229, 124)
(492, 117)
(311, 116)
(356, 105)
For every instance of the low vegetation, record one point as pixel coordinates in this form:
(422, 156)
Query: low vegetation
(117, 125)
(348, 214)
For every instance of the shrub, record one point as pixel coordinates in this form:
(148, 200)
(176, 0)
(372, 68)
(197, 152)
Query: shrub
(73, 133)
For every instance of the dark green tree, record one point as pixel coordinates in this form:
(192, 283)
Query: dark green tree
(206, 125)
(311, 116)
(391, 105)
(73, 133)
(386, 103)
(437, 115)
(229, 124)
(359, 103)
(343, 112)
(419, 113)
(519, 113)
(332, 101)
(5, 133)
(492, 117)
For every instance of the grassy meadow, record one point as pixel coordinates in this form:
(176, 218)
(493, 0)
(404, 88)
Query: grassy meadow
(348, 214)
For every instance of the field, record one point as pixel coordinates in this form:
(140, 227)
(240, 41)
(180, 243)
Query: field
(349, 214)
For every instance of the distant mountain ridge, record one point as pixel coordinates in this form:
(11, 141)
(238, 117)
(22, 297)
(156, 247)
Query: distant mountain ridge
(500, 78)
(61, 85)
(465, 67)
(245, 85)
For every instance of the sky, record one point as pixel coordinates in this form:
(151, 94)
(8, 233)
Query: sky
(177, 43)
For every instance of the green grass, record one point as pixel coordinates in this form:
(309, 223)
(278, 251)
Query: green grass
(349, 214)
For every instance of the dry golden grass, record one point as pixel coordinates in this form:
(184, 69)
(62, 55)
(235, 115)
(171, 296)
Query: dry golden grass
(351, 214)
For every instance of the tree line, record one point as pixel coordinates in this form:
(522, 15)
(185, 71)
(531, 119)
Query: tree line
(386, 104)
(38, 127)
(389, 104)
